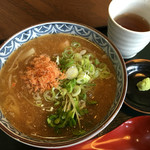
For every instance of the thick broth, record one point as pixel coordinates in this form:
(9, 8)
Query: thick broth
(30, 119)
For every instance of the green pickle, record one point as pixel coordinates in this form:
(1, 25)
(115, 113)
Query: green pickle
(144, 85)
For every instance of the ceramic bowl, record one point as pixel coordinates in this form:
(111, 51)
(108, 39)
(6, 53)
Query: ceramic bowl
(76, 29)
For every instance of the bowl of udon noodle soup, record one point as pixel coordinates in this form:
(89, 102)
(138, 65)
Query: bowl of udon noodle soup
(61, 84)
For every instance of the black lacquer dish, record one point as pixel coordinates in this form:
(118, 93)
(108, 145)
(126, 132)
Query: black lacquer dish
(137, 70)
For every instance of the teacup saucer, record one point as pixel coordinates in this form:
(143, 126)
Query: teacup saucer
(137, 70)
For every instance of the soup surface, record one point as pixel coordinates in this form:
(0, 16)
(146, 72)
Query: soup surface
(78, 98)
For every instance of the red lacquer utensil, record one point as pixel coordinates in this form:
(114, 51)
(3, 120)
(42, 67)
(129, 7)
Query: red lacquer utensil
(133, 134)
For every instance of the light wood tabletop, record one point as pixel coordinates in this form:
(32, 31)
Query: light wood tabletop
(16, 15)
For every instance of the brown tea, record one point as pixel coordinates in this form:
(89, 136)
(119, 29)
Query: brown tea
(133, 22)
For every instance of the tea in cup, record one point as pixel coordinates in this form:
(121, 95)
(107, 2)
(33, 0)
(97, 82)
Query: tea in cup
(129, 25)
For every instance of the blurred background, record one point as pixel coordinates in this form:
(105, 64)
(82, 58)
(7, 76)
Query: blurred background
(16, 15)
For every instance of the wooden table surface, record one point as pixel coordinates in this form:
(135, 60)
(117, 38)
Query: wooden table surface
(16, 15)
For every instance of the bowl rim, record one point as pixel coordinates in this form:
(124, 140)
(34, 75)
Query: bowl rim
(87, 136)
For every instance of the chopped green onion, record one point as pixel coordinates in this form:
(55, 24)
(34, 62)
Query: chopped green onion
(102, 66)
(47, 95)
(83, 96)
(77, 56)
(75, 44)
(76, 91)
(68, 52)
(70, 85)
(97, 73)
(37, 96)
(63, 91)
(38, 103)
(91, 69)
(83, 78)
(88, 56)
(70, 98)
(50, 120)
(83, 111)
(91, 102)
(57, 103)
(105, 74)
(69, 63)
(57, 121)
(97, 62)
(72, 122)
(72, 72)
(79, 132)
